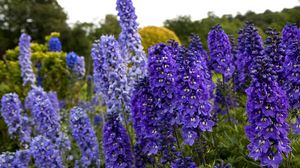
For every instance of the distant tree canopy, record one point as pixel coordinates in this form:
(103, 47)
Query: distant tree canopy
(183, 26)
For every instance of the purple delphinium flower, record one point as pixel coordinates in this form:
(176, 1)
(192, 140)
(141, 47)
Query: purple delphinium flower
(16, 120)
(54, 100)
(45, 117)
(196, 46)
(85, 137)
(223, 165)
(292, 74)
(162, 69)
(267, 109)
(193, 106)
(75, 64)
(19, 159)
(296, 126)
(39, 78)
(54, 44)
(275, 50)
(116, 143)
(71, 60)
(183, 162)
(25, 60)
(45, 153)
(249, 46)
(220, 52)
(130, 41)
(289, 34)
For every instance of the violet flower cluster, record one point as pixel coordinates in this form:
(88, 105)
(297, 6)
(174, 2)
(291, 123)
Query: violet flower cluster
(275, 50)
(14, 117)
(54, 44)
(54, 100)
(45, 153)
(116, 143)
(19, 159)
(290, 33)
(85, 137)
(183, 162)
(45, 117)
(292, 73)
(220, 52)
(75, 64)
(25, 60)
(130, 41)
(196, 46)
(193, 106)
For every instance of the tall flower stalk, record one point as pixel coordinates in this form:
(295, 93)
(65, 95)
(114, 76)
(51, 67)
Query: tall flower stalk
(25, 60)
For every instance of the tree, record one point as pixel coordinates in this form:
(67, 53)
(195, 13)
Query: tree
(109, 26)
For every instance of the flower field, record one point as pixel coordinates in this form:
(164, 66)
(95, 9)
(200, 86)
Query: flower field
(236, 104)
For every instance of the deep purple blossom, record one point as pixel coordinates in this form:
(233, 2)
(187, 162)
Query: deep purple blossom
(54, 44)
(116, 143)
(292, 74)
(15, 118)
(45, 153)
(220, 52)
(19, 159)
(85, 137)
(290, 33)
(183, 163)
(130, 41)
(25, 60)
(202, 57)
(45, 117)
(275, 50)
(192, 95)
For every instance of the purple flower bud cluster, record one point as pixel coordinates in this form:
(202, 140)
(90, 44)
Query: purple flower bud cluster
(220, 52)
(249, 46)
(75, 64)
(19, 159)
(196, 46)
(193, 106)
(45, 153)
(16, 120)
(85, 137)
(116, 143)
(54, 44)
(130, 41)
(292, 73)
(25, 60)
(275, 50)
(267, 109)
(45, 117)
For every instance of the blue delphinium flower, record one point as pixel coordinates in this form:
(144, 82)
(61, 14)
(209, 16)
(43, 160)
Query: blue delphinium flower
(75, 64)
(16, 120)
(292, 74)
(7, 159)
(202, 57)
(223, 165)
(296, 126)
(220, 52)
(267, 109)
(289, 34)
(71, 60)
(85, 137)
(54, 100)
(45, 153)
(25, 60)
(39, 78)
(275, 50)
(162, 69)
(116, 143)
(54, 44)
(45, 117)
(194, 108)
(183, 162)
(130, 41)
(19, 159)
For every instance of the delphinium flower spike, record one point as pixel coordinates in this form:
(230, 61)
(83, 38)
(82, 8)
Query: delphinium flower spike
(183, 162)
(45, 153)
(275, 50)
(85, 137)
(75, 64)
(54, 100)
(162, 69)
(54, 44)
(130, 41)
(116, 143)
(15, 118)
(193, 106)
(45, 117)
(267, 110)
(290, 33)
(220, 52)
(292, 73)
(202, 57)
(25, 60)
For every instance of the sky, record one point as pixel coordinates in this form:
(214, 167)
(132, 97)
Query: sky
(155, 12)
